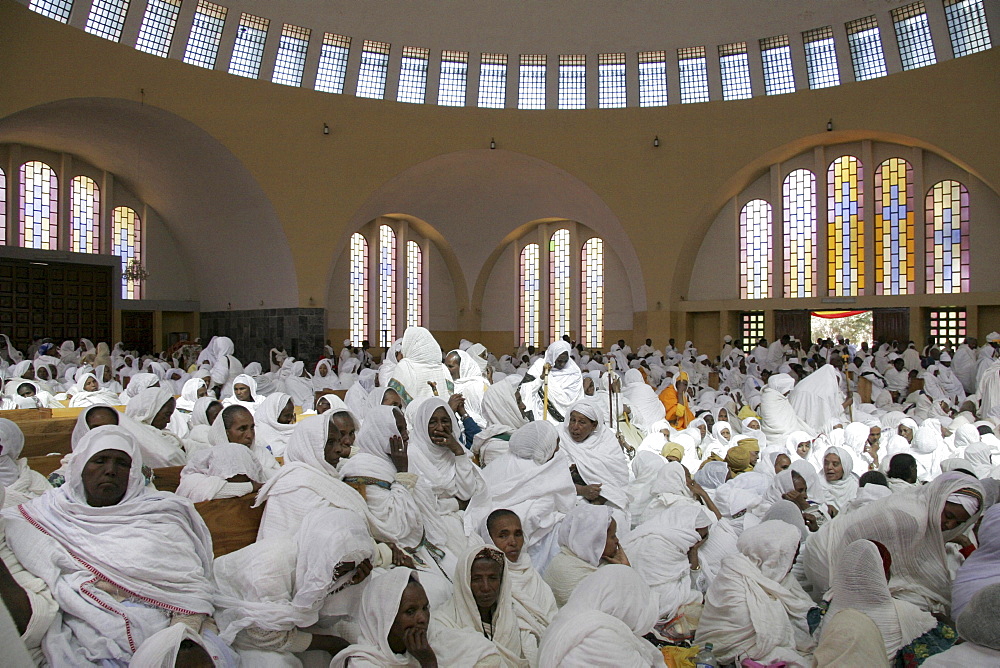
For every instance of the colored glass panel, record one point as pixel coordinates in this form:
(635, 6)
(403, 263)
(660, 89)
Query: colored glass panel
(947, 326)
(947, 242)
(799, 202)
(386, 286)
(845, 227)
(126, 243)
(755, 240)
(592, 292)
(39, 206)
(530, 285)
(559, 284)
(357, 296)
(894, 221)
(85, 215)
(751, 327)
(414, 284)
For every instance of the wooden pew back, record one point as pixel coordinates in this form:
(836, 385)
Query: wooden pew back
(232, 522)
(44, 437)
(20, 415)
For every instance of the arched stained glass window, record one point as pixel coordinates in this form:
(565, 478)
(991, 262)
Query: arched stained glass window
(386, 286)
(845, 227)
(414, 284)
(559, 284)
(530, 295)
(85, 215)
(126, 243)
(947, 245)
(799, 201)
(358, 289)
(39, 206)
(3, 207)
(894, 221)
(755, 260)
(592, 293)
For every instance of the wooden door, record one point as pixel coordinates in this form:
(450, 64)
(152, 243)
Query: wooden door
(796, 323)
(137, 331)
(891, 324)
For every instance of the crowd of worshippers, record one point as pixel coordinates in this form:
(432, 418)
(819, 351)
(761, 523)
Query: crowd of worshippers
(556, 507)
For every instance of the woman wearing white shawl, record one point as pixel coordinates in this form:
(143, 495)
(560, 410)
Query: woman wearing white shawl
(275, 423)
(458, 628)
(420, 373)
(199, 425)
(95, 396)
(251, 398)
(645, 468)
(145, 559)
(564, 381)
(587, 539)
(137, 383)
(169, 648)
(440, 459)
(235, 424)
(389, 362)
(149, 412)
(308, 480)
(403, 507)
(503, 417)
(839, 484)
(855, 442)
(755, 609)
(532, 480)
(295, 383)
(190, 393)
(979, 457)
(597, 457)
(735, 504)
(469, 382)
(860, 584)
(982, 567)
(914, 526)
(272, 590)
(603, 624)
(669, 489)
(659, 551)
(929, 449)
(817, 398)
(324, 378)
(331, 402)
(356, 399)
(18, 480)
(778, 417)
(645, 405)
(221, 472)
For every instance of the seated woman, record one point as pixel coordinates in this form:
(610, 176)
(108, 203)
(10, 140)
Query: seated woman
(192, 390)
(205, 410)
(437, 457)
(274, 421)
(861, 583)
(270, 592)
(982, 568)
(735, 504)
(235, 424)
(222, 472)
(838, 481)
(504, 412)
(598, 463)
(914, 527)
(674, 487)
(149, 412)
(88, 392)
(664, 551)
(533, 480)
(482, 611)
(603, 624)
(328, 402)
(16, 478)
(121, 562)
(755, 609)
(979, 628)
(536, 603)
(394, 617)
(588, 538)
(244, 394)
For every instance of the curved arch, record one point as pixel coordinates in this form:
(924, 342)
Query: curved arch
(498, 189)
(206, 197)
(746, 175)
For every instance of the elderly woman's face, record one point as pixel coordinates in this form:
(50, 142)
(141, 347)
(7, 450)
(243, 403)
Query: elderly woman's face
(580, 426)
(242, 392)
(833, 468)
(348, 431)
(487, 576)
(162, 417)
(454, 364)
(588, 386)
(392, 398)
(561, 361)
(781, 462)
(335, 450)
(905, 432)
(413, 613)
(202, 392)
(241, 430)
(90, 385)
(105, 477)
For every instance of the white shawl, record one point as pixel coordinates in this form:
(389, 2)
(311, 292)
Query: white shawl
(599, 458)
(270, 432)
(420, 366)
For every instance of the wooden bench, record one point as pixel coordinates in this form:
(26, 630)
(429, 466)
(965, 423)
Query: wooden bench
(167, 479)
(45, 464)
(24, 414)
(233, 523)
(45, 437)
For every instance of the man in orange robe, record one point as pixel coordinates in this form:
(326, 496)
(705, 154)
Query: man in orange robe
(675, 401)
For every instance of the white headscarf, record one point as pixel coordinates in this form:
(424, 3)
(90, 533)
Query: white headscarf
(270, 432)
(982, 567)
(599, 458)
(209, 470)
(159, 447)
(435, 463)
(839, 493)
(189, 393)
(584, 532)
(11, 444)
(379, 605)
(421, 365)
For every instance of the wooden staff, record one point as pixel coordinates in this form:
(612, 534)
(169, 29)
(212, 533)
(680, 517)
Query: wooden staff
(545, 390)
(434, 387)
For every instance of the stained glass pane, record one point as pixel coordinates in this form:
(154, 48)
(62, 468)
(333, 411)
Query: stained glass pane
(967, 26)
(54, 9)
(755, 240)
(493, 81)
(39, 206)
(866, 48)
(845, 227)
(751, 327)
(799, 200)
(947, 241)
(206, 33)
(652, 78)
(530, 289)
(894, 220)
(413, 75)
(453, 79)
(126, 243)
(414, 285)
(776, 56)
(531, 82)
(821, 58)
(374, 67)
(386, 286)
(3, 207)
(248, 51)
(592, 291)
(290, 62)
(913, 34)
(611, 80)
(158, 27)
(693, 68)
(107, 18)
(573, 82)
(948, 326)
(358, 289)
(85, 216)
(559, 284)
(333, 63)
(735, 68)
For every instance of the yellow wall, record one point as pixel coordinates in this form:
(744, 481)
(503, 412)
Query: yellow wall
(665, 198)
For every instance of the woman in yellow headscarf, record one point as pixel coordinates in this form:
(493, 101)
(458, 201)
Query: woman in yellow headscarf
(675, 401)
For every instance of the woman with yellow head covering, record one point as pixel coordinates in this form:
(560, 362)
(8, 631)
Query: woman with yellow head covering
(675, 401)
(738, 459)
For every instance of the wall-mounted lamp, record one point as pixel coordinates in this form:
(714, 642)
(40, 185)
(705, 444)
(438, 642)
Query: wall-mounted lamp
(656, 141)
(326, 129)
(829, 125)
(493, 144)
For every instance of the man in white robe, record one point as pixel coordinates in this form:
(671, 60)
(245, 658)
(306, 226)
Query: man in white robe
(964, 364)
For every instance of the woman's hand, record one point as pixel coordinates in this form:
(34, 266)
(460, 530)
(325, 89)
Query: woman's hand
(397, 453)
(416, 643)
(400, 558)
(457, 403)
(447, 440)
(619, 557)
(811, 522)
(589, 492)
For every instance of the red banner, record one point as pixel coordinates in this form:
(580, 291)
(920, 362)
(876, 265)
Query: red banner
(836, 314)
